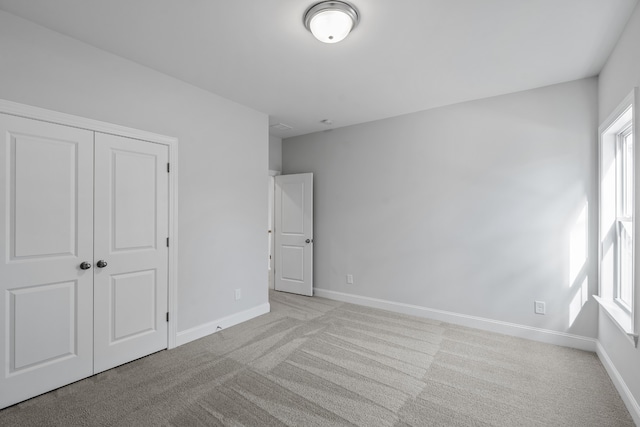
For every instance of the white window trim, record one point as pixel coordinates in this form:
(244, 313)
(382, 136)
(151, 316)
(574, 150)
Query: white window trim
(623, 205)
(629, 323)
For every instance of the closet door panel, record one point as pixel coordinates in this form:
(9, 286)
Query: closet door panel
(131, 227)
(46, 230)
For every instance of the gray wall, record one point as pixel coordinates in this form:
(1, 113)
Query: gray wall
(222, 150)
(620, 74)
(467, 208)
(275, 153)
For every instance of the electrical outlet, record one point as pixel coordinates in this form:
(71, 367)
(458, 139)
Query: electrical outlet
(238, 294)
(540, 307)
(350, 279)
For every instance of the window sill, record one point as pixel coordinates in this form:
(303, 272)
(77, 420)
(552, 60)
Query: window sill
(622, 319)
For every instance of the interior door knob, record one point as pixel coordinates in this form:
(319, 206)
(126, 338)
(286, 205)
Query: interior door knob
(101, 264)
(308, 241)
(85, 266)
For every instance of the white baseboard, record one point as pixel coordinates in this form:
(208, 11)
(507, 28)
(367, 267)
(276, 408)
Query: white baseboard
(626, 395)
(512, 329)
(197, 332)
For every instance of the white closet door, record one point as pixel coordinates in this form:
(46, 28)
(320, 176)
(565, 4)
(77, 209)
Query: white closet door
(46, 223)
(131, 228)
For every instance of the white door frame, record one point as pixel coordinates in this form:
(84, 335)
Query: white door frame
(30, 112)
(272, 212)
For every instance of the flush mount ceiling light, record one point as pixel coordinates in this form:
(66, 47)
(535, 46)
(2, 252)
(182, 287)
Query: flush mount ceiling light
(331, 21)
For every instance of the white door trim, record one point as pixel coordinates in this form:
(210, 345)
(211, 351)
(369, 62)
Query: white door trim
(37, 113)
(272, 247)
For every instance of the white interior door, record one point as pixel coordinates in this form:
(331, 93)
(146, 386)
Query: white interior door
(131, 229)
(294, 233)
(46, 223)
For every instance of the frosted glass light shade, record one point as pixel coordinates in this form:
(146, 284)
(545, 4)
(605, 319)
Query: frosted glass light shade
(331, 26)
(331, 21)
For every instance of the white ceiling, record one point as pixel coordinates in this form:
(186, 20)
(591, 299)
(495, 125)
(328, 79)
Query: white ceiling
(405, 56)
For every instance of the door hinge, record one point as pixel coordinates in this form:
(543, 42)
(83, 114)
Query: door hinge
(168, 167)
(167, 242)
(167, 316)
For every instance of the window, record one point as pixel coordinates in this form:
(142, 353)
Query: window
(624, 218)
(618, 294)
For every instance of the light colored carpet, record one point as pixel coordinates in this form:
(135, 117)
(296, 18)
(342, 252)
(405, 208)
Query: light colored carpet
(316, 362)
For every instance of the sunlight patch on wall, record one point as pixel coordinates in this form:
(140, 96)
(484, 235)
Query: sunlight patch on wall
(579, 300)
(578, 245)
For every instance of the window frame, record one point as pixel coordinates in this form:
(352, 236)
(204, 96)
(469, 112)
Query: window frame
(624, 214)
(622, 120)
